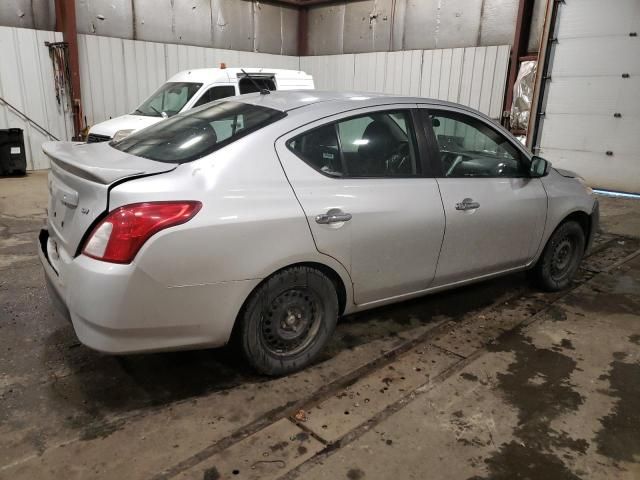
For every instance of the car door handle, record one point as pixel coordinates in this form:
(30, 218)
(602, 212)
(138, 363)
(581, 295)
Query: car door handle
(467, 204)
(333, 217)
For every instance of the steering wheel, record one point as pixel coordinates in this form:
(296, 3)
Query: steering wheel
(398, 158)
(457, 161)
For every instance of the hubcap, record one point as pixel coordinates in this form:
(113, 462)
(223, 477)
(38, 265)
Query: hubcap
(291, 321)
(562, 257)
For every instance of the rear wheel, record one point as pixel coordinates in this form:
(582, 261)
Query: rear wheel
(288, 320)
(561, 257)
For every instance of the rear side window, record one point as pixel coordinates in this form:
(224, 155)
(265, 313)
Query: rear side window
(255, 84)
(215, 93)
(379, 144)
(192, 135)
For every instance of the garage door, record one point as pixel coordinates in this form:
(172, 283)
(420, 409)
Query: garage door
(592, 106)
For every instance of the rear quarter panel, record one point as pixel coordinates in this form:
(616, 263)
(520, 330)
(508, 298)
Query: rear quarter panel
(250, 225)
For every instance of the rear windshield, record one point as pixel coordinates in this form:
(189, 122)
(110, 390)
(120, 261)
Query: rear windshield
(198, 132)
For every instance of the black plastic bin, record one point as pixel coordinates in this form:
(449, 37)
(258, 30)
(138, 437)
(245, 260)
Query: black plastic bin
(13, 160)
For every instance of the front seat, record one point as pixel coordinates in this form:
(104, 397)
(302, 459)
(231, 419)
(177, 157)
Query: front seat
(374, 153)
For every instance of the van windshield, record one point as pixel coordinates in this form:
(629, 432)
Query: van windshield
(198, 132)
(168, 99)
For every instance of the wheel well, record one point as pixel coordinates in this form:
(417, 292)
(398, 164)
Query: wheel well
(584, 220)
(341, 290)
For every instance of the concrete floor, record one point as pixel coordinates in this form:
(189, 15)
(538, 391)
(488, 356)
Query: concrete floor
(495, 380)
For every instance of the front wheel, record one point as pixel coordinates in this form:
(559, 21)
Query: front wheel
(288, 320)
(561, 257)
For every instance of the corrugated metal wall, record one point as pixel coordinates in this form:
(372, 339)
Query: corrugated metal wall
(396, 25)
(474, 76)
(27, 83)
(231, 24)
(117, 74)
(253, 25)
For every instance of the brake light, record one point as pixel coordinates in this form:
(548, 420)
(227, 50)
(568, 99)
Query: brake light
(121, 234)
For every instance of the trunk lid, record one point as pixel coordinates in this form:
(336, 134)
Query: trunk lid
(79, 181)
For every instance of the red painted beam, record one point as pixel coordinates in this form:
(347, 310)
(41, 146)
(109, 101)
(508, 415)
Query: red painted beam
(303, 31)
(66, 22)
(519, 48)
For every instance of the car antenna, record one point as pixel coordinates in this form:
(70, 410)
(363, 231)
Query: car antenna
(263, 91)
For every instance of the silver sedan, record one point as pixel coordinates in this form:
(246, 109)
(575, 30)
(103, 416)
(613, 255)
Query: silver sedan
(266, 217)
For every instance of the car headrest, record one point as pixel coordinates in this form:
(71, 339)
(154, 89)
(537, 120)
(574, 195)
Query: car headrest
(379, 140)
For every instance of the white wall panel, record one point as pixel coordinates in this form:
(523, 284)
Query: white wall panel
(474, 76)
(369, 71)
(27, 82)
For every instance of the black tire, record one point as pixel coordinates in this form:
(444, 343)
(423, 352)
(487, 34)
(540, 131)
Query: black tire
(561, 257)
(288, 320)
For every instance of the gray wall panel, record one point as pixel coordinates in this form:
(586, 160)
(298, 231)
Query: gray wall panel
(113, 18)
(326, 30)
(498, 22)
(246, 25)
(38, 14)
(459, 23)
(192, 22)
(232, 22)
(537, 23)
(416, 24)
(289, 31)
(154, 20)
(367, 26)
(252, 25)
(420, 25)
(267, 20)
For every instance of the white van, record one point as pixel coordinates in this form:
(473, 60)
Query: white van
(192, 88)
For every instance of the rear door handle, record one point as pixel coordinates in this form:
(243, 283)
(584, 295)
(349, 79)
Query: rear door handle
(333, 216)
(467, 204)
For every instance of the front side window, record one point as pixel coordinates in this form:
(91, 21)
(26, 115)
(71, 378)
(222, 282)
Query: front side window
(197, 133)
(169, 99)
(215, 93)
(471, 148)
(380, 144)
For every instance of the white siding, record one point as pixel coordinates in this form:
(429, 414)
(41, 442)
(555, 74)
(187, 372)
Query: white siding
(474, 76)
(26, 82)
(587, 88)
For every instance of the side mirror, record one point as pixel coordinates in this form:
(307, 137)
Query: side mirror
(539, 167)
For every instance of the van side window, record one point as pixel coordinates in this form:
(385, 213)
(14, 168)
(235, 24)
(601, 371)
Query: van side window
(216, 93)
(375, 145)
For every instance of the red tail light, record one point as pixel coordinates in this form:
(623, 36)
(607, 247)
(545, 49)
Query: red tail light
(119, 236)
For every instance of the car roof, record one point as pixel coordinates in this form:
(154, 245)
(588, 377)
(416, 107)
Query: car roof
(287, 100)
(209, 75)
